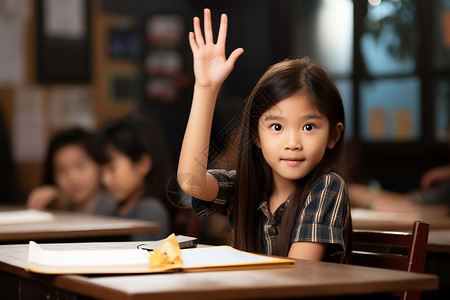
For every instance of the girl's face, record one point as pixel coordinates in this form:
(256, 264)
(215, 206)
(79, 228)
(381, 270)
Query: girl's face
(76, 173)
(124, 178)
(293, 137)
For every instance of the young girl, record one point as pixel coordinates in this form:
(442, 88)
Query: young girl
(136, 170)
(72, 177)
(285, 198)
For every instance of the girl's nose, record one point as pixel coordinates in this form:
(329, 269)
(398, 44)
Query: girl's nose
(72, 175)
(105, 178)
(293, 142)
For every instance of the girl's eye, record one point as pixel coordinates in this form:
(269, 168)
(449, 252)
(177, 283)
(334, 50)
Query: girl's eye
(276, 127)
(308, 127)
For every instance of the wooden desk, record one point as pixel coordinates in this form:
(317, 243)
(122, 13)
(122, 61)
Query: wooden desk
(439, 241)
(390, 221)
(75, 226)
(438, 259)
(307, 280)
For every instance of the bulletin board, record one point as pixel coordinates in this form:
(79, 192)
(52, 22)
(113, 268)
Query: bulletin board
(63, 41)
(164, 57)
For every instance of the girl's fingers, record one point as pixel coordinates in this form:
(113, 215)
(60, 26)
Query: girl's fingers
(234, 56)
(192, 42)
(198, 32)
(221, 38)
(208, 26)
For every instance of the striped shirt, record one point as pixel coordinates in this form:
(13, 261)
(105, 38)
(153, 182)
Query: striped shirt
(324, 217)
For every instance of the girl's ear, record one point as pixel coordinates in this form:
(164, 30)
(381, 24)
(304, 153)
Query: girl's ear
(257, 142)
(335, 135)
(144, 165)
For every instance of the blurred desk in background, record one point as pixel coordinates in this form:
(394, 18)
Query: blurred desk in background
(63, 226)
(439, 241)
(392, 221)
(438, 259)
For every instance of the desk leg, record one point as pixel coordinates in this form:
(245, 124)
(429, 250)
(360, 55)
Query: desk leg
(438, 264)
(9, 286)
(16, 287)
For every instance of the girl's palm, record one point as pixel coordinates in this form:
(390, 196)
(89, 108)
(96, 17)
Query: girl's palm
(211, 67)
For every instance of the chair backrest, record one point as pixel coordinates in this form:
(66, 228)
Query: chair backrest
(392, 250)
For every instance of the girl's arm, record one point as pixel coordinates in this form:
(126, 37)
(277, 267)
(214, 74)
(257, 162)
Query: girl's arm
(435, 176)
(211, 68)
(44, 196)
(308, 250)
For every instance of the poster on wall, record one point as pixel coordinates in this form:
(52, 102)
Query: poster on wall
(63, 41)
(29, 126)
(71, 107)
(164, 58)
(13, 16)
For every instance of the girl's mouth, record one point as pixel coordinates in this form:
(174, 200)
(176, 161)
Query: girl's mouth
(292, 162)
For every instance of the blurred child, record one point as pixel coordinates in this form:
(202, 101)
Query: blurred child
(72, 177)
(432, 199)
(136, 170)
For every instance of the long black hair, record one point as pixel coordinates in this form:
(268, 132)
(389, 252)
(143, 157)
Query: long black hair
(135, 135)
(254, 180)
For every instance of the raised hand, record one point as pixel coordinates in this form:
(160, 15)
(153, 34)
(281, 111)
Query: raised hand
(211, 67)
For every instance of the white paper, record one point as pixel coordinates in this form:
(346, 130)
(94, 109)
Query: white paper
(29, 127)
(15, 9)
(11, 51)
(91, 258)
(64, 18)
(219, 256)
(25, 216)
(70, 107)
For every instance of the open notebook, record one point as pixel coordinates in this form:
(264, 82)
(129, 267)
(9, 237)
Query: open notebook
(137, 260)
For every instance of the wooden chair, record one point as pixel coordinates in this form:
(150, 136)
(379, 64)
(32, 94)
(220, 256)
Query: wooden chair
(381, 249)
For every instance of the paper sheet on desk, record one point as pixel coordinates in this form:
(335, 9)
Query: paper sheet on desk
(86, 261)
(24, 216)
(137, 260)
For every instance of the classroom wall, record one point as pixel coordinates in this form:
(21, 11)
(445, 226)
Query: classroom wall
(111, 14)
(29, 172)
(264, 28)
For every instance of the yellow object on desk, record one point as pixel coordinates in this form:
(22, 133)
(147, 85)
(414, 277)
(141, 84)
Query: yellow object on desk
(168, 255)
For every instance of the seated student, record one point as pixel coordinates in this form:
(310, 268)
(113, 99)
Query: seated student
(136, 170)
(433, 198)
(72, 177)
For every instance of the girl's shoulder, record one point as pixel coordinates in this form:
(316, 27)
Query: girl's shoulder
(331, 181)
(334, 177)
(150, 202)
(147, 208)
(106, 204)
